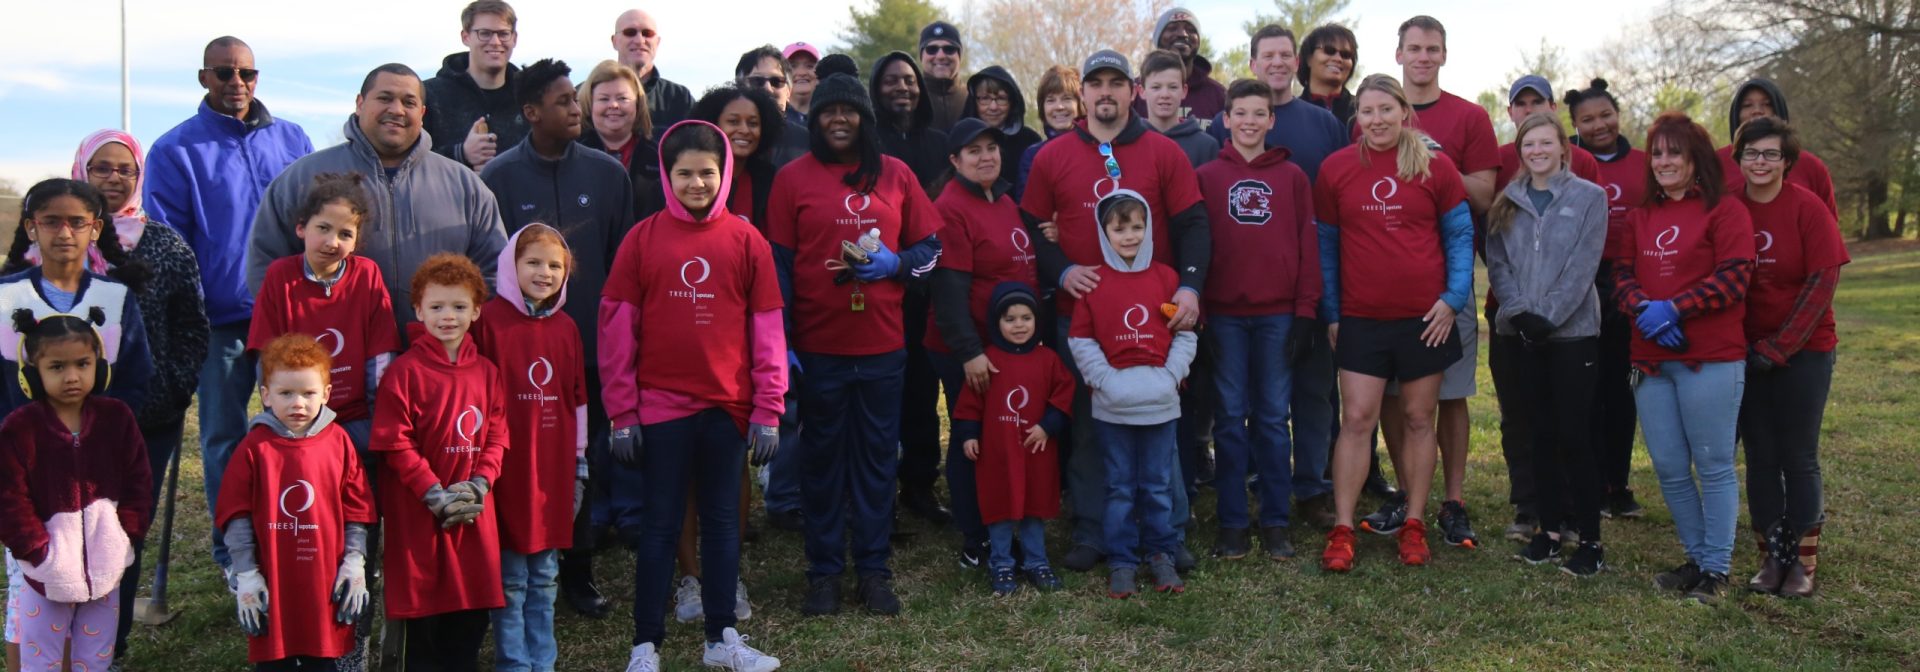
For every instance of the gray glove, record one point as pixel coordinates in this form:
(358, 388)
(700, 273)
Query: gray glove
(762, 442)
(440, 500)
(466, 513)
(624, 443)
(579, 495)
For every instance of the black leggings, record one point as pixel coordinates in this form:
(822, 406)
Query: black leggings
(1614, 415)
(447, 642)
(1780, 421)
(1505, 356)
(1556, 381)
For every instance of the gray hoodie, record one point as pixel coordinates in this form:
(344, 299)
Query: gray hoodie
(1544, 262)
(1193, 139)
(239, 532)
(432, 204)
(1136, 395)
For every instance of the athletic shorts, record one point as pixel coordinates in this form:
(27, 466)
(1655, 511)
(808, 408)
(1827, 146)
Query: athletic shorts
(1392, 349)
(1459, 381)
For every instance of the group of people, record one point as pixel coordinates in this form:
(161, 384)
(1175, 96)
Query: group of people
(1171, 283)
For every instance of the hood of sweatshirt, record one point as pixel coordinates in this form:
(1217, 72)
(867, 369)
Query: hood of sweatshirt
(1143, 257)
(1006, 295)
(320, 421)
(1190, 127)
(1272, 157)
(1763, 84)
(922, 110)
(507, 274)
(454, 67)
(362, 147)
(719, 207)
(1016, 103)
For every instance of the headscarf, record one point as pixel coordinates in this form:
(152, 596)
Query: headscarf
(130, 220)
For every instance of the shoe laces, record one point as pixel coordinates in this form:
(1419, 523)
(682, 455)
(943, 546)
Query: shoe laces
(739, 655)
(689, 591)
(643, 662)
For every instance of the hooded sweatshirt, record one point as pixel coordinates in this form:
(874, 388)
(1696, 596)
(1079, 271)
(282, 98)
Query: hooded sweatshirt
(1266, 249)
(1544, 261)
(1206, 98)
(71, 505)
(1031, 387)
(1198, 146)
(982, 246)
(541, 358)
(431, 204)
(455, 101)
(301, 502)
(1014, 147)
(124, 335)
(349, 314)
(1309, 132)
(922, 148)
(691, 319)
(1120, 340)
(1809, 172)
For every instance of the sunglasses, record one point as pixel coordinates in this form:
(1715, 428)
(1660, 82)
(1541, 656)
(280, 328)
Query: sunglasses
(1331, 52)
(1113, 166)
(758, 81)
(226, 73)
(947, 49)
(632, 32)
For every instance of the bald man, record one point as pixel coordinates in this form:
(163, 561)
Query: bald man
(636, 42)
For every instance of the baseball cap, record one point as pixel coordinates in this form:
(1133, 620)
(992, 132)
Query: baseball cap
(798, 47)
(1537, 83)
(1106, 59)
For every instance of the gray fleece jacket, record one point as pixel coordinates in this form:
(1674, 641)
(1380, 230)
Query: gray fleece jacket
(1193, 140)
(1136, 395)
(1545, 261)
(239, 533)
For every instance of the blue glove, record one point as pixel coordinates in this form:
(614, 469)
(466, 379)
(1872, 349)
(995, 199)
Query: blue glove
(793, 360)
(881, 264)
(1672, 339)
(1655, 318)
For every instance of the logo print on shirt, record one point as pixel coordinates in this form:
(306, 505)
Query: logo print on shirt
(1763, 241)
(539, 373)
(692, 280)
(1133, 323)
(1248, 202)
(1111, 183)
(1022, 246)
(292, 514)
(466, 433)
(1614, 192)
(856, 215)
(1663, 239)
(583, 200)
(339, 344)
(1019, 393)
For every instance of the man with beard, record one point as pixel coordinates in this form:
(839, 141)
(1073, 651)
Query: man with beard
(636, 42)
(471, 110)
(940, 49)
(1178, 31)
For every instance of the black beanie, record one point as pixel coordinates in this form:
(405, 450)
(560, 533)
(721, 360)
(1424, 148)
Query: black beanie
(940, 30)
(841, 88)
(836, 63)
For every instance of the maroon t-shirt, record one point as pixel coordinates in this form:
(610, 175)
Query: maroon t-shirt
(1675, 245)
(1392, 264)
(1793, 237)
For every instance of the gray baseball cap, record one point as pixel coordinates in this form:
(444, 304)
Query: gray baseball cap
(1106, 59)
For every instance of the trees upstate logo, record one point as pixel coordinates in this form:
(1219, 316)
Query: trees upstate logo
(339, 345)
(1133, 320)
(692, 273)
(539, 374)
(856, 205)
(467, 426)
(1017, 399)
(302, 497)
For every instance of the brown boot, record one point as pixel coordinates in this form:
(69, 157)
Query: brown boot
(1768, 580)
(1798, 580)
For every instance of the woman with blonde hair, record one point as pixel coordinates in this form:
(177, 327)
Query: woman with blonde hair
(616, 107)
(1060, 108)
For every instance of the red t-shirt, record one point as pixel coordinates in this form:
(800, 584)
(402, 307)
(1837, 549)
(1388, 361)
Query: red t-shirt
(1069, 177)
(698, 286)
(1123, 315)
(1392, 265)
(986, 240)
(740, 196)
(439, 422)
(1625, 180)
(811, 211)
(1809, 172)
(1676, 245)
(1014, 482)
(299, 494)
(541, 362)
(1793, 237)
(1462, 128)
(353, 320)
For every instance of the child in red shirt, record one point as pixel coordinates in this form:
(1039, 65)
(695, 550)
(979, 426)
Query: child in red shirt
(441, 431)
(295, 507)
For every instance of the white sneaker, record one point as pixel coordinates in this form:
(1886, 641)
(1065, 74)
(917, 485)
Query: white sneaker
(686, 601)
(644, 659)
(742, 609)
(732, 653)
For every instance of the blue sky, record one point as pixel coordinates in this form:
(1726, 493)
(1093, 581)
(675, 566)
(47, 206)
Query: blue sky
(62, 78)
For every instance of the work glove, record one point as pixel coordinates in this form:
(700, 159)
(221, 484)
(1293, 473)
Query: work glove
(881, 264)
(250, 593)
(1672, 339)
(762, 442)
(350, 589)
(579, 495)
(1759, 362)
(624, 443)
(440, 500)
(1300, 338)
(1533, 328)
(462, 514)
(1655, 318)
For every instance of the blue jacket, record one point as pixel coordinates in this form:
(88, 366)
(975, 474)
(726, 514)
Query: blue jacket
(1309, 132)
(130, 365)
(205, 178)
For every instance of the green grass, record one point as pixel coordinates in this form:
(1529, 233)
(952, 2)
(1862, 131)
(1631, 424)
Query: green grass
(1468, 610)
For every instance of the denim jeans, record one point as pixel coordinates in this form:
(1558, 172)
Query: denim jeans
(1255, 382)
(1315, 405)
(1032, 535)
(226, 386)
(963, 493)
(1140, 483)
(523, 630)
(1780, 419)
(1687, 418)
(707, 452)
(849, 459)
(1086, 467)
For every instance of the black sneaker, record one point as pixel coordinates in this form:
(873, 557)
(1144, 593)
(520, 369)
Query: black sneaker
(1454, 526)
(1682, 578)
(1082, 558)
(877, 593)
(973, 556)
(923, 503)
(1541, 549)
(1587, 560)
(1274, 541)
(1712, 587)
(1003, 583)
(1621, 504)
(787, 521)
(1231, 544)
(1044, 579)
(1392, 515)
(1183, 559)
(1378, 486)
(823, 596)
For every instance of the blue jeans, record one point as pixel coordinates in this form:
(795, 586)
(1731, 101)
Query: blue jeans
(850, 455)
(782, 492)
(523, 630)
(1255, 382)
(1086, 466)
(226, 386)
(1688, 418)
(1032, 534)
(1140, 482)
(962, 488)
(705, 451)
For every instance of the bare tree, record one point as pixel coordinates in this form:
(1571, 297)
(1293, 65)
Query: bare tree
(1299, 16)
(1029, 36)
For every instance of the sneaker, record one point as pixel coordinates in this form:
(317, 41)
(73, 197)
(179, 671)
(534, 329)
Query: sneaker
(1621, 504)
(1542, 548)
(1120, 583)
(1231, 544)
(1377, 485)
(742, 609)
(644, 659)
(1339, 554)
(972, 556)
(686, 601)
(923, 503)
(1274, 541)
(1003, 583)
(1682, 578)
(787, 521)
(1587, 560)
(1316, 510)
(877, 593)
(1455, 529)
(1165, 577)
(1522, 528)
(1569, 535)
(1183, 559)
(1413, 544)
(1392, 515)
(1043, 578)
(1082, 558)
(1712, 587)
(823, 596)
(732, 653)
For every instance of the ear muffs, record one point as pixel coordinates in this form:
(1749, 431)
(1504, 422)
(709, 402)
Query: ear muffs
(29, 375)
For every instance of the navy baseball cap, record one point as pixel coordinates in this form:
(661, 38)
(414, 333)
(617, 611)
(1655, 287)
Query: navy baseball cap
(1537, 83)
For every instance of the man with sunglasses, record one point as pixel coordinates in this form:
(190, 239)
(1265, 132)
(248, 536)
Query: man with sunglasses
(636, 42)
(940, 48)
(205, 178)
(764, 68)
(472, 115)
(1114, 150)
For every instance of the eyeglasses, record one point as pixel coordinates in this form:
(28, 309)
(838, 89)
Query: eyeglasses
(55, 224)
(1771, 155)
(485, 35)
(1113, 166)
(767, 82)
(947, 49)
(101, 171)
(991, 100)
(1329, 51)
(631, 32)
(226, 73)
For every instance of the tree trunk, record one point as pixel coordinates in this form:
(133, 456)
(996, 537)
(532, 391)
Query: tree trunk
(1879, 218)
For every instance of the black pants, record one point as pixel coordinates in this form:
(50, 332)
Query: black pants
(1780, 421)
(1556, 383)
(1505, 357)
(1194, 431)
(447, 642)
(1614, 415)
(920, 400)
(298, 664)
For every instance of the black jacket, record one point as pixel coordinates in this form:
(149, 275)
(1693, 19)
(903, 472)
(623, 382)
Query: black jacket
(1019, 137)
(923, 149)
(667, 103)
(644, 173)
(454, 101)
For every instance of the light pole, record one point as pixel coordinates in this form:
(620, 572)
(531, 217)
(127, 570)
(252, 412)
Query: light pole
(126, 108)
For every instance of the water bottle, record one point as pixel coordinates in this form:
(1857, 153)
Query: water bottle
(870, 241)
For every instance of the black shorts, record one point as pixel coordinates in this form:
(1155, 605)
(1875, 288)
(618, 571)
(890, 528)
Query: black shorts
(1392, 349)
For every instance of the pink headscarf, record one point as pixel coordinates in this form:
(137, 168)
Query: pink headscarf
(130, 220)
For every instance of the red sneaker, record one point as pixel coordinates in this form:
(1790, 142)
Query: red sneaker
(1413, 543)
(1339, 554)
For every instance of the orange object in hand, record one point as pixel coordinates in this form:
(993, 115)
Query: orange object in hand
(1168, 309)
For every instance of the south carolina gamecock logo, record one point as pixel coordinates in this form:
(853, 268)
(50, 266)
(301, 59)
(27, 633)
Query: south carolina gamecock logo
(1248, 202)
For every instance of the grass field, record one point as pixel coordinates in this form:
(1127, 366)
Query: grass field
(1468, 610)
